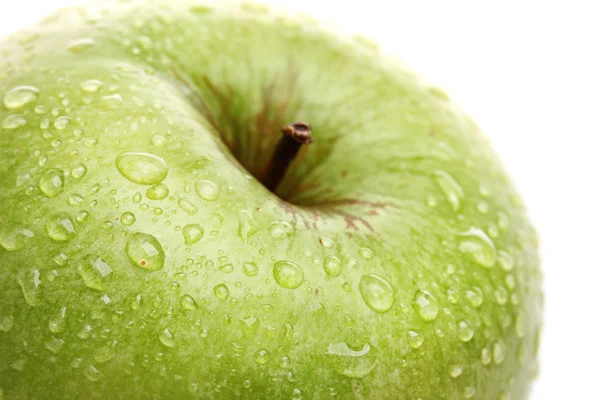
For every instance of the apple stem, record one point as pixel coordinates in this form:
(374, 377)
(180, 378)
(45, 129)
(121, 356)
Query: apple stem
(294, 136)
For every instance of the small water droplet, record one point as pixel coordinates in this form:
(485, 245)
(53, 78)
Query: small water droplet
(31, 286)
(376, 292)
(281, 230)
(505, 260)
(91, 86)
(207, 190)
(61, 123)
(349, 362)
(113, 100)
(104, 354)
(85, 332)
(249, 326)
(20, 96)
(127, 218)
(14, 237)
(451, 189)
(52, 182)
(142, 168)
(425, 305)
(332, 266)
(79, 170)
(478, 247)
(262, 356)
(287, 274)
(58, 322)
(327, 242)
(187, 206)
(145, 251)
(474, 296)
(13, 122)
(80, 45)
(469, 392)
(521, 324)
(192, 233)
(92, 374)
(465, 331)
(136, 302)
(157, 192)
(167, 338)
(486, 356)
(501, 295)
(455, 370)
(415, 339)
(54, 345)
(60, 228)
(246, 225)
(92, 271)
(221, 292)
(250, 269)
(158, 140)
(498, 352)
(6, 323)
(82, 216)
(188, 303)
(366, 253)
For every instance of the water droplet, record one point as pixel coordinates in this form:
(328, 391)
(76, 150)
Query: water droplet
(478, 247)
(227, 268)
(13, 122)
(351, 363)
(145, 251)
(503, 221)
(92, 374)
(159, 141)
(332, 266)
(187, 206)
(207, 190)
(287, 274)
(415, 339)
(483, 207)
(521, 324)
(376, 292)
(61, 123)
(498, 352)
(192, 233)
(157, 192)
(54, 345)
(327, 242)
(104, 354)
(85, 332)
(79, 45)
(14, 237)
(58, 322)
(60, 227)
(505, 260)
(188, 303)
(474, 296)
(455, 370)
(250, 269)
(142, 168)
(501, 295)
(31, 286)
(61, 259)
(451, 189)
(52, 182)
(167, 339)
(262, 356)
(366, 253)
(246, 225)
(281, 230)
(91, 86)
(20, 96)
(136, 302)
(465, 331)
(221, 292)
(249, 326)
(425, 305)
(6, 323)
(486, 356)
(469, 392)
(92, 271)
(127, 218)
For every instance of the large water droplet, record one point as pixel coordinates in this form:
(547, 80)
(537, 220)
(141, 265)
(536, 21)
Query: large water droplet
(221, 292)
(415, 339)
(157, 192)
(451, 189)
(128, 218)
(192, 233)
(79, 170)
(58, 322)
(14, 237)
(52, 182)
(250, 269)
(377, 293)
(188, 303)
(20, 96)
(351, 363)
(31, 286)
(207, 190)
(187, 206)
(465, 331)
(92, 271)
(425, 305)
(287, 274)
(142, 168)
(13, 122)
(145, 251)
(478, 247)
(60, 227)
(332, 266)
(79, 45)
(281, 230)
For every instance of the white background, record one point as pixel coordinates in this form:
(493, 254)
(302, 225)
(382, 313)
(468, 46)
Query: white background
(528, 73)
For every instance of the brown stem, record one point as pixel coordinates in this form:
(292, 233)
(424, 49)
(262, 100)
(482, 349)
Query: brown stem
(294, 136)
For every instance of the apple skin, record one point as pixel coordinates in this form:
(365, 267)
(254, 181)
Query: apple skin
(141, 258)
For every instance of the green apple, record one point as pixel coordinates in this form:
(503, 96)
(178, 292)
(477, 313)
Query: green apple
(142, 255)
